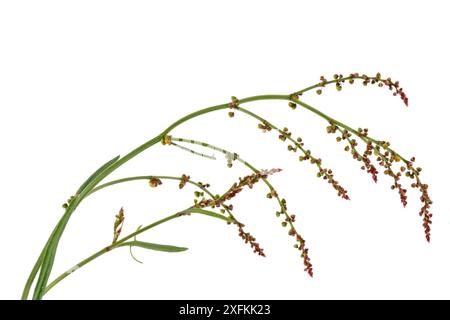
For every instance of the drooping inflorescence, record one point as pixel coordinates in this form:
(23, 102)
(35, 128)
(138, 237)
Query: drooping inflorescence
(300, 242)
(262, 174)
(339, 80)
(380, 149)
(345, 135)
(248, 238)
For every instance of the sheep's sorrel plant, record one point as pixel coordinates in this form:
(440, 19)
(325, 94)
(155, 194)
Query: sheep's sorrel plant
(375, 156)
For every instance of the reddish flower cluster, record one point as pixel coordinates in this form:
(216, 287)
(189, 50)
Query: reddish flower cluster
(392, 85)
(368, 166)
(425, 211)
(327, 174)
(248, 238)
(183, 181)
(304, 254)
(389, 83)
(424, 198)
(300, 242)
(300, 245)
(217, 202)
(248, 181)
(352, 143)
(386, 159)
(118, 223)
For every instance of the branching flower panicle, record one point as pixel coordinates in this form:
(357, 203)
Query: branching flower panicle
(352, 143)
(385, 156)
(247, 181)
(298, 144)
(200, 201)
(219, 201)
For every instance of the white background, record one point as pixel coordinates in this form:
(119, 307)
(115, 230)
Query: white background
(83, 81)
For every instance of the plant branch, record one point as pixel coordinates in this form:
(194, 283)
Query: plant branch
(122, 242)
(289, 219)
(47, 256)
(44, 263)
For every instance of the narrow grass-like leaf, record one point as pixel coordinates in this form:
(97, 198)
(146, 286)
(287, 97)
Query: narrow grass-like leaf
(153, 246)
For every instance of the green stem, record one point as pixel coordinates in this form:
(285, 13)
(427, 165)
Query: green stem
(323, 84)
(224, 106)
(198, 185)
(110, 183)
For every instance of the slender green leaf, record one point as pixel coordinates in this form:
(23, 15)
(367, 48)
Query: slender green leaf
(153, 246)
